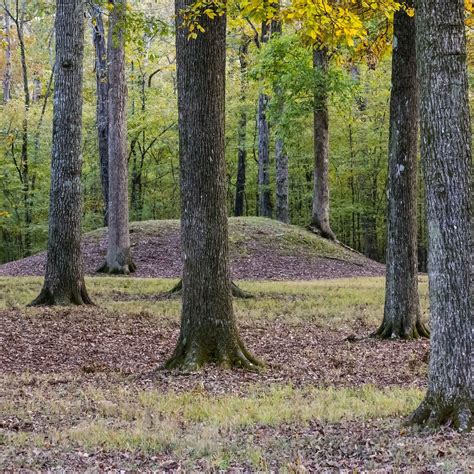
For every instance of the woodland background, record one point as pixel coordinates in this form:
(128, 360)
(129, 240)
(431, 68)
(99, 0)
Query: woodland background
(359, 119)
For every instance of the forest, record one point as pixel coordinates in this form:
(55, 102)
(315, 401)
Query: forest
(236, 235)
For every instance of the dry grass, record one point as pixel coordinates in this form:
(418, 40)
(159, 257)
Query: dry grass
(99, 420)
(327, 303)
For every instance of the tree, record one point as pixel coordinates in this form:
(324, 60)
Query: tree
(7, 74)
(282, 211)
(265, 208)
(242, 132)
(446, 154)
(208, 327)
(402, 305)
(102, 112)
(320, 213)
(119, 258)
(64, 278)
(17, 15)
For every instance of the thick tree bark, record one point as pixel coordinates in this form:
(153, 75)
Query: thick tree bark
(239, 206)
(119, 258)
(320, 214)
(102, 106)
(64, 279)
(402, 307)
(208, 327)
(7, 74)
(446, 154)
(282, 212)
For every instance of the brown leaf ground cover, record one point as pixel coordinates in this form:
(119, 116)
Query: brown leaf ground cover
(80, 389)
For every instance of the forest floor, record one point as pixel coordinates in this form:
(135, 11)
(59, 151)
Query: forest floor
(81, 388)
(261, 249)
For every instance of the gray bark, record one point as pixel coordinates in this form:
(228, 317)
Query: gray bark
(446, 155)
(320, 214)
(402, 307)
(119, 259)
(102, 107)
(64, 279)
(208, 327)
(7, 74)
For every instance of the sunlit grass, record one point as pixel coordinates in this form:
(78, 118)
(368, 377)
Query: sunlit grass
(191, 424)
(328, 303)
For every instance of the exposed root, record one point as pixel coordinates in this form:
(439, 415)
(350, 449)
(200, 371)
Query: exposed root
(429, 414)
(325, 233)
(118, 269)
(77, 297)
(239, 293)
(387, 331)
(192, 357)
(177, 290)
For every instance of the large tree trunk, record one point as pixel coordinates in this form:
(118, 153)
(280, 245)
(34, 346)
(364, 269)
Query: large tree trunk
(446, 154)
(7, 74)
(320, 214)
(102, 107)
(119, 259)
(242, 133)
(208, 327)
(402, 306)
(64, 279)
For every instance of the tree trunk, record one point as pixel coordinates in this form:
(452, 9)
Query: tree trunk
(264, 193)
(102, 107)
(263, 129)
(320, 214)
(402, 307)
(208, 327)
(7, 74)
(446, 154)
(281, 161)
(64, 279)
(119, 259)
(242, 133)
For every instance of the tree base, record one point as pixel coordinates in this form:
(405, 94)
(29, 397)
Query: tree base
(236, 291)
(325, 233)
(117, 268)
(430, 414)
(192, 356)
(386, 331)
(77, 297)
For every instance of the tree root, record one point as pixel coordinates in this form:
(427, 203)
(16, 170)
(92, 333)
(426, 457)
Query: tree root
(387, 331)
(324, 233)
(177, 289)
(118, 269)
(63, 298)
(428, 414)
(192, 357)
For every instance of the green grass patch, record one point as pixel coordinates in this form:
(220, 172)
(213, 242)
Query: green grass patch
(339, 303)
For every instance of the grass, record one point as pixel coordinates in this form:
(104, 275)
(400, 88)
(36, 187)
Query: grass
(95, 420)
(329, 303)
(244, 232)
(118, 417)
